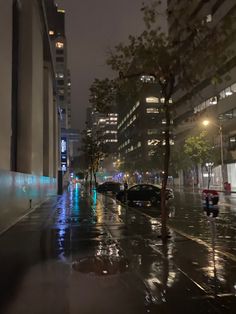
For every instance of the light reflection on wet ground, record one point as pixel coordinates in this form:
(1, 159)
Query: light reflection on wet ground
(89, 254)
(190, 215)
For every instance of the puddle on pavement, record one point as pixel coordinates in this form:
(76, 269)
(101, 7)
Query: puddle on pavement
(101, 265)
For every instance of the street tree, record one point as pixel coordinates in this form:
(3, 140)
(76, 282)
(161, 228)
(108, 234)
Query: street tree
(102, 94)
(93, 152)
(201, 152)
(180, 60)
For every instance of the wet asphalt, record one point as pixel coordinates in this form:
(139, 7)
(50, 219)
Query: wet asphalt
(85, 253)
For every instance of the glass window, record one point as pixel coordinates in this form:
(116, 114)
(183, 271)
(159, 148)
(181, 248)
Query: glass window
(59, 59)
(228, 91)
(152, 100)
(59, 44)
(232, 142)
(229, 114)
(233, 88)
(59, 75)
(152, 131)
(153, 142)
(152, 110)
(60, 82)
(135, 188)
(59, 52)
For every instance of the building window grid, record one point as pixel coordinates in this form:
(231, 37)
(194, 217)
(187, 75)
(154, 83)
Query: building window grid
(129, 114)
(232, 142)
(228, 115)
(226, 92)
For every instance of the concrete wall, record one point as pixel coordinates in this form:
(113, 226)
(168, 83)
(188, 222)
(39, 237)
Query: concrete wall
(5, 85)
(30, 114)
(16, 189)
(37, 91)
(48, 121)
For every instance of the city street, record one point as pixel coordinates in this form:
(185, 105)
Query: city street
(86, 253)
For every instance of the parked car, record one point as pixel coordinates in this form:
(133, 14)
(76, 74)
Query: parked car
(144, 194)
(109, 186)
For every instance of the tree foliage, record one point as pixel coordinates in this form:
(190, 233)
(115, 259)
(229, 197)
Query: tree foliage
(93, 153)
(102, 94)
(199, 149)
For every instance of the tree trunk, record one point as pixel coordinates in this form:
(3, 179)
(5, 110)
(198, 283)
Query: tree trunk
(164, 213)
(203, 186)
(91, 178)
(167, 91)
(95, 178)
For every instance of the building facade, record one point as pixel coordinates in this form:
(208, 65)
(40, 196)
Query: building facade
(215, 102)
(103, 129)
(29, 119)
(56, 17)
(141, 131)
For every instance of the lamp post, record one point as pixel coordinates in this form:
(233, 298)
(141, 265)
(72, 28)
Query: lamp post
(219, 126)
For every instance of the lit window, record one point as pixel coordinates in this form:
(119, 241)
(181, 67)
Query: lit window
(151, 153)
(102, 120)
(152, 110)
(153, 142)
(59, 44)
(61, 11)
(209, 18)
(228, 91)
(147, 78)
(232, 142)
(171, 142)
(213, 101)
(233, 88)
(59, 75)
(152, 100)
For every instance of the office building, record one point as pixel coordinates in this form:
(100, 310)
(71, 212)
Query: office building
(215, 102)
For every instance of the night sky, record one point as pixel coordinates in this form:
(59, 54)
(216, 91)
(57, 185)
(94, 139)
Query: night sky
(92, 27)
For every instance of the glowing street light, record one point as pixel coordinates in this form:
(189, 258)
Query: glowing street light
(206, 122)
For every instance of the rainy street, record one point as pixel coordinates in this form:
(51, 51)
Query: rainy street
(87, 253)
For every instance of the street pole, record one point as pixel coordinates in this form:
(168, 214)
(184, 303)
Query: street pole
(206, 123)
(222, 154)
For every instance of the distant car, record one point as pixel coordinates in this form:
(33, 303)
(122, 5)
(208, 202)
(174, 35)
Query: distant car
(144, 194)
(109, 186)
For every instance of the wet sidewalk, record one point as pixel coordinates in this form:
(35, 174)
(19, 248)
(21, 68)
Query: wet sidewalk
(82, 253)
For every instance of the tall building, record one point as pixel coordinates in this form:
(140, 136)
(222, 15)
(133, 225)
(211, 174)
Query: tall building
(207, 101)
(141, 128)
(29, 119)
(63, 79)
(103, 128)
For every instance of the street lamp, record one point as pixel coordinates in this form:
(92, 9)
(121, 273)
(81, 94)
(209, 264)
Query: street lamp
(219, 126)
